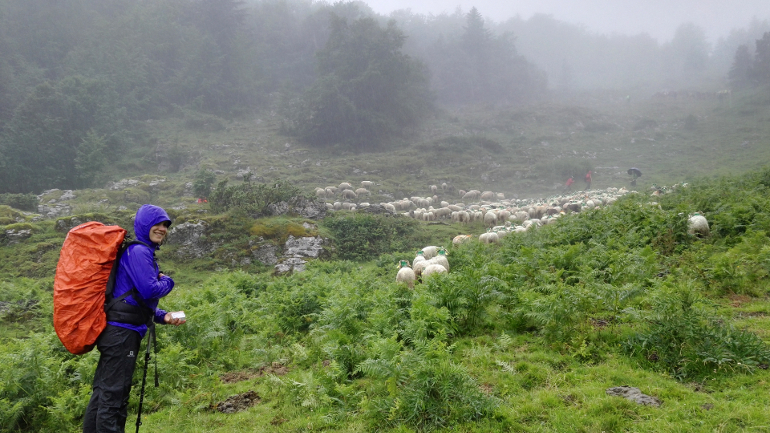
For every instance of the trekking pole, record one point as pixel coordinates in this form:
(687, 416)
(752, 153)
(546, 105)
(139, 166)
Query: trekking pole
(144, 379)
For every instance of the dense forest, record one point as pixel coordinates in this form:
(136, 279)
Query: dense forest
(79, 79)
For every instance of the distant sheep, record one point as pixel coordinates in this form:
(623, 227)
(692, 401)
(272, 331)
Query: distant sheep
(489, 237)
(698, 225)
(459, 239)
(366, 184)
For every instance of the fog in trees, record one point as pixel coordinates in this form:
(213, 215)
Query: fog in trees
(79, 79)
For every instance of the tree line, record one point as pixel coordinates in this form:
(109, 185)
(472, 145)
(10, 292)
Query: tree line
(751, 70)
(78, 78)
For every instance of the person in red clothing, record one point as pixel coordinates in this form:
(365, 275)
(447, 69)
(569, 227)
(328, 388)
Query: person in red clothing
(588, 180)
(568, 185)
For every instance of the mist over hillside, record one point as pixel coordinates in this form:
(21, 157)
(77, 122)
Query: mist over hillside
(93, 91)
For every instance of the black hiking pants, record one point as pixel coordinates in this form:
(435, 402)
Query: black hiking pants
(108, 408)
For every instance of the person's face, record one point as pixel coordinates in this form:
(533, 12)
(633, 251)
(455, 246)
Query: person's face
(158, 232)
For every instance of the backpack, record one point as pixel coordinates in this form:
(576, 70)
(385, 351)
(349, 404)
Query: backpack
(85, 276)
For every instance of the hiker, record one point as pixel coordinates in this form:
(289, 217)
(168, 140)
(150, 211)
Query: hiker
(127, 322)
(588, 180)
(568, 185)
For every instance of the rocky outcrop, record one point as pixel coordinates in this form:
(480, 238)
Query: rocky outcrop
(266, 253)
(300, 206)
(55, 207)
(14, 236)
(191, 239)
(297, 250)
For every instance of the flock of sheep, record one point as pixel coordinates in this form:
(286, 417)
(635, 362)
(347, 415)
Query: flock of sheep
(499, 215)
(429, 260)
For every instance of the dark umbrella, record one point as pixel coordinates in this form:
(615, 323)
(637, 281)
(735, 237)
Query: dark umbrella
(635, 172)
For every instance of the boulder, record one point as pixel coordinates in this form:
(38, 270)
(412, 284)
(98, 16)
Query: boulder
(191, 239)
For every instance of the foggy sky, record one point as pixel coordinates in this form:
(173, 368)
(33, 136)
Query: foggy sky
(658, 18)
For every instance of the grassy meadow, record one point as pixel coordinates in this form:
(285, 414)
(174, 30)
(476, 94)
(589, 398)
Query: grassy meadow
(526, 335)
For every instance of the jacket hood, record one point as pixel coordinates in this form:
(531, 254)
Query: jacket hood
(147, 216)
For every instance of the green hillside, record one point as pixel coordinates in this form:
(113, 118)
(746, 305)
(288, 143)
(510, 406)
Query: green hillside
(526, 335)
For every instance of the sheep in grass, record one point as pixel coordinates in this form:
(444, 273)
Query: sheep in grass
(345, 185)
(366, 184)
(490, 218)
(430, 252)
(349, 194)
(418, 266)
(488, 196)
(698, 225)
(441, 259)
(405, 274)
(433, 189)
(362, 191)
(489, 237)
(459, 239)
(320, 193)
(433, 268)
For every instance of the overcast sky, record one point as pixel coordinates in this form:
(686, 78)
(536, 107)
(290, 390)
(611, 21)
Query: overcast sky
(658, 18)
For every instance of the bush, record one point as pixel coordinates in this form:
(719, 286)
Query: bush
(27, 202)
(252, 199)
(365, 236)
(684, 340)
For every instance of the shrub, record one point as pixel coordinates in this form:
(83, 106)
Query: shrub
(27, 202)
(684, 340)
(422, 387)
(252, 199)
(364, 236)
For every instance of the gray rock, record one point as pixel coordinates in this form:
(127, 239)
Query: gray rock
(192, 240)
(54, 210)
(375, 209)
(122, 184)
(68, 195)
(292, 264)
(633, 394)
(14, 236)
(303, 207)
(266, 254)
(304, 247)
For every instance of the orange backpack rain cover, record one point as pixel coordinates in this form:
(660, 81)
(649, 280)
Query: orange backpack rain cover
(84, 267)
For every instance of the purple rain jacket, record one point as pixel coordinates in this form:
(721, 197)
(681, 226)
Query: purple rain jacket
(139, 269)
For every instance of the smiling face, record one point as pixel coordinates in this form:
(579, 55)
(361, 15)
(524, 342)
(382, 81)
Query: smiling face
(158, 232)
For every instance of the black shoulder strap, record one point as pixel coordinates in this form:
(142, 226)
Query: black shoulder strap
(109, 300)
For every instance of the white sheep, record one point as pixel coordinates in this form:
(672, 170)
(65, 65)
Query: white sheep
(489, 237)
(362, 191)
(346, 185)
(349, 194)
(490, 218)
(698, 225)
(430, 252)
(366, 184)
(419, 265)
(488, 196)
(459, 239)
(406, 274)
(441, 259)
(433, 268)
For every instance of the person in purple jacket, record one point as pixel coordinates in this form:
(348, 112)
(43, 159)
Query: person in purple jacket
(139, 285)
